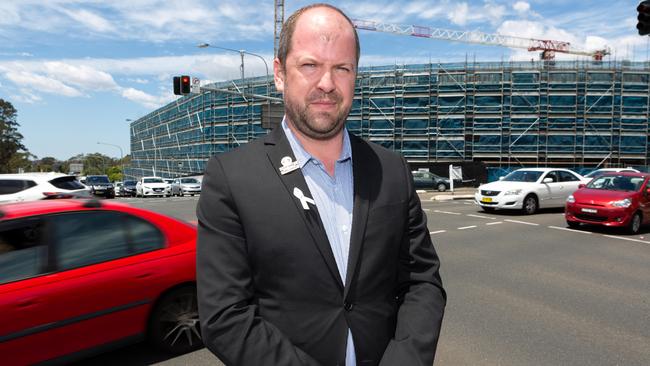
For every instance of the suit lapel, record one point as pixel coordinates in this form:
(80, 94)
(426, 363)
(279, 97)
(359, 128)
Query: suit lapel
(364, 170)
(277, 148)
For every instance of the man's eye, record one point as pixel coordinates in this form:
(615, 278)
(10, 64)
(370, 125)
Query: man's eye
(309, 65)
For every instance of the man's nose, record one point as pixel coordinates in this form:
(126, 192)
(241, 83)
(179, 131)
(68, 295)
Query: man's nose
(326, 82)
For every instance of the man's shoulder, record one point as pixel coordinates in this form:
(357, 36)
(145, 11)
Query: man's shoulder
(251, 149)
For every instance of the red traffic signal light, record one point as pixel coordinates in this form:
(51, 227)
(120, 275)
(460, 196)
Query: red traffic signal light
(643, 25)
(182, 85)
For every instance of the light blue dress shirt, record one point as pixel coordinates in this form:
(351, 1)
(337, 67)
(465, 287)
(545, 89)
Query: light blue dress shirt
(334, 197)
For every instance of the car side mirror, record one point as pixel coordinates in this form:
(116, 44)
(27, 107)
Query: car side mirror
(581, 185)
(501, 178)
(547, 180)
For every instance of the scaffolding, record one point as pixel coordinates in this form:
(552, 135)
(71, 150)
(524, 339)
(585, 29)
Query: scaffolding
(509, 114)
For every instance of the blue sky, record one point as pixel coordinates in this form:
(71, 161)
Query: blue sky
(76, 70)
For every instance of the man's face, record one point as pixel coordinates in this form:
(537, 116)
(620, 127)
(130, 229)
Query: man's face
(318, 80)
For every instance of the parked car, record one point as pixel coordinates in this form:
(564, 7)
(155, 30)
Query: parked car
(100, 186)
(599, 172)
(150, 186)
(183, 186)
(529, 190)
(168, 189)
(128, 188)
(38, 186)
(118, 187)
(428, 180)
(81, 276)
(613, 199)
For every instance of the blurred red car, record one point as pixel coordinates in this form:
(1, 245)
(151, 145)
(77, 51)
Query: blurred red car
(613, 199)
(78, 277)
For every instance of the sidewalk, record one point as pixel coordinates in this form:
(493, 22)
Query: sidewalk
(463, 193)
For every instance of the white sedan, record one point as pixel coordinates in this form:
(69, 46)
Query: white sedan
(529, 190)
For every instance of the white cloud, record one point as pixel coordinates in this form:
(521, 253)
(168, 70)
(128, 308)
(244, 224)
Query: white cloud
(462, 13)
(90, 20)
(521, 7)
(40, 83)
(82, 76)
(147, 100)
(146, 20)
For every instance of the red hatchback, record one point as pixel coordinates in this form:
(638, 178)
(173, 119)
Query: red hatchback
(614, 199)
(77, 277)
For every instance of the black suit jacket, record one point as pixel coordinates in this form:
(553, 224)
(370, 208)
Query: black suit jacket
(269, 291)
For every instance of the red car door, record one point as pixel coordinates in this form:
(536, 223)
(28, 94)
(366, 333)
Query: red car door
(101, 291)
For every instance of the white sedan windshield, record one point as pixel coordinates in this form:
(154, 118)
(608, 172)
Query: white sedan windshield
(523, 176)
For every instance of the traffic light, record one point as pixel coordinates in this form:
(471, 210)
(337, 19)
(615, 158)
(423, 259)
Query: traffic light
(181, 85)
(644, 18)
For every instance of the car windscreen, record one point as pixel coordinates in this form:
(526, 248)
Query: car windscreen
(130, 183)
(523, 176)
(189, 180)
(97, 180)
(616, 183)
(69, 182)
(153, 180)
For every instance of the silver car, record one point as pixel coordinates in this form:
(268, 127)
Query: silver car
(183, 186)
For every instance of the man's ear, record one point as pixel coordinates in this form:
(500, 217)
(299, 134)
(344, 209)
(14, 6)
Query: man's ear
(278, 75)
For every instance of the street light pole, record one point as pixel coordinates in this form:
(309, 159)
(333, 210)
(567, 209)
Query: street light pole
(242, 53)
(121, 154)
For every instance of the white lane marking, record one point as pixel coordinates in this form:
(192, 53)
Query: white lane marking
(567, 229)
(522, 222)
(482, 217)
(628, 239)
(494, 223)
(437, 232)
(426, 209)
(447, 212)
(466, 227)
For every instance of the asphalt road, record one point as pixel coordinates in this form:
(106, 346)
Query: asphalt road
(522, 290)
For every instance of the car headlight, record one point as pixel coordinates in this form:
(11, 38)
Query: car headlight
(512, 192)
(571, 199)
(622, 203)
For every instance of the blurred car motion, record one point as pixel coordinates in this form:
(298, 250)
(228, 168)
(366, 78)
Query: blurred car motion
(38, 186)
(183, 186)
(81, 276)
(612, 199)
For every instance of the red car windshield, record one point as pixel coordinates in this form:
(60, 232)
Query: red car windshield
(616, 183)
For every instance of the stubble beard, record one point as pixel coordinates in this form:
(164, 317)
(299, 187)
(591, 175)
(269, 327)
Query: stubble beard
(317, 125)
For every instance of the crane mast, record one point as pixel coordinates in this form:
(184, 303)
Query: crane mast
(548, 47)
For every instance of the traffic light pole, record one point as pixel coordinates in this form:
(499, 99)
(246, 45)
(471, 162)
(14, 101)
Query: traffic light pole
(265, 97)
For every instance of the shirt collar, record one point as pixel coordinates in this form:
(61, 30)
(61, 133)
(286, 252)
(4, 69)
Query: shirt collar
(303, 157)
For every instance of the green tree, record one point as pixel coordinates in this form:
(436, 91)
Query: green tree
(114, 173)
(10, 138)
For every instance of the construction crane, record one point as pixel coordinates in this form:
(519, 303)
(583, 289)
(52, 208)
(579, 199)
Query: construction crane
(277, 25)
(548, 47)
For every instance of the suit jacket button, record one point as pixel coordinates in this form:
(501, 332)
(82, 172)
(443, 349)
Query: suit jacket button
(348, 306)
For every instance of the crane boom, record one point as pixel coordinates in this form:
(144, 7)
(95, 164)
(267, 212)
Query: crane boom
(548, 47)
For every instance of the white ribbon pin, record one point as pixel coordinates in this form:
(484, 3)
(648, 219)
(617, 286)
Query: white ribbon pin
(288, 165)
(303, 200)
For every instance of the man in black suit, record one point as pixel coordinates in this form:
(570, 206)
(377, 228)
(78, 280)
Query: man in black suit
(291, 269)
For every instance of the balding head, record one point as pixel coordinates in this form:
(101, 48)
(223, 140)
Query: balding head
(315, 19)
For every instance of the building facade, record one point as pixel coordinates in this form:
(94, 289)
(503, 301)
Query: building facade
(570, 114)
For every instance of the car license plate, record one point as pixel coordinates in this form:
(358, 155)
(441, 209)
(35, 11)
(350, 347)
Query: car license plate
(590, 210)
(486, 199)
